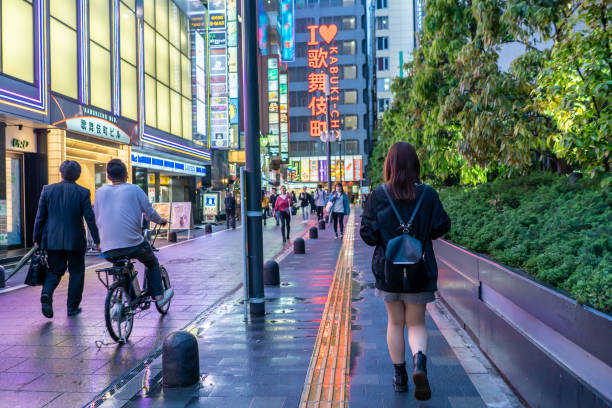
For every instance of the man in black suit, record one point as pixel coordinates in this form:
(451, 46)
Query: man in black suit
(59, 230)
(230, 210)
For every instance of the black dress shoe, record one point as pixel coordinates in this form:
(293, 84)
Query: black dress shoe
(422, 391)
(400, 380)
(47, 307)
(74, 312)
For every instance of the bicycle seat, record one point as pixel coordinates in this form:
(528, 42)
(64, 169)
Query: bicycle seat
(118, 260)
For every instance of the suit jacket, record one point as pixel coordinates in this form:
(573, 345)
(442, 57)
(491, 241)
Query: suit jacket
(59, 220)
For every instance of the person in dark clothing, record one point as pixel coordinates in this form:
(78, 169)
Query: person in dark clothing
(405, 296)
(58, 229)
(230, 210)
(304, 202)
(273, 197)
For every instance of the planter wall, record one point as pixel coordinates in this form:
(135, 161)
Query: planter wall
(554, 352)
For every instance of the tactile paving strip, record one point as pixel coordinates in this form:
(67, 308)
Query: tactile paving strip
(327, 380)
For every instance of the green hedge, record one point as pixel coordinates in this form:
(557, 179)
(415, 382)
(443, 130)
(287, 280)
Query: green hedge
(557, 231)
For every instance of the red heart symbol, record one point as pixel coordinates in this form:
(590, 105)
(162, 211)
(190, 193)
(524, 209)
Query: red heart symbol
(328, 33)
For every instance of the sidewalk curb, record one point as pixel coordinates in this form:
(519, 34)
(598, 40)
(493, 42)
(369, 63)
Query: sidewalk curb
(492, 388)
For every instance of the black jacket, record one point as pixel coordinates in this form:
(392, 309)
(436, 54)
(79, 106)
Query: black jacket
(230, 204)
(59, 220)
(304, 199)
(379, 225)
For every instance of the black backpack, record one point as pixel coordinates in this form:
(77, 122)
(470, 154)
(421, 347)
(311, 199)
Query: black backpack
(404, 254)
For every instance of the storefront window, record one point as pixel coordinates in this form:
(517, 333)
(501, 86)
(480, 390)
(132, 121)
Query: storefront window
(167, 67)
(129, 79)
(99, 53)
(13, 199)
(63, 43)
(18, 39)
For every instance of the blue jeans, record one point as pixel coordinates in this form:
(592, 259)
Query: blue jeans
(305, 213)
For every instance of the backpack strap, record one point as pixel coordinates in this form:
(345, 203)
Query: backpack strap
(397, 214)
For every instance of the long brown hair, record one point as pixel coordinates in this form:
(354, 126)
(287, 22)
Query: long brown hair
(402, 171)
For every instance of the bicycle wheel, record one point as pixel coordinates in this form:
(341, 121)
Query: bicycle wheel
(119, 318)
(166, 285)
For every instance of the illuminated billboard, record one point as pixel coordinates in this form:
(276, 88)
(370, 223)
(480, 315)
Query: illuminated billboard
(287, 31)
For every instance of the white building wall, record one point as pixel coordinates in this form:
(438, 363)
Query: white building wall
(401, 44)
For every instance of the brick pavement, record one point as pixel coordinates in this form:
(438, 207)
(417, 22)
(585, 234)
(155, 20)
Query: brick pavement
(54, 363)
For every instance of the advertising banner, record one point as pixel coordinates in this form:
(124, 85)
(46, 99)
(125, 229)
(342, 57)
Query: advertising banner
(357, 163)
(218, 74)
(305, 169)
(283, 80)
(287, 30)
(3, 234)
(349, 175)
(273, 107)
(181, 216)
(163, 209)
(314, 170)
(322, 169)
(211, 204)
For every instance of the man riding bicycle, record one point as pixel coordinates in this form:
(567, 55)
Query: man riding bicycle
(119, 209)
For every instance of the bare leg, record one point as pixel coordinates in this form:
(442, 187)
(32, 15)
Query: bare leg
(395, 331)
(417, 332)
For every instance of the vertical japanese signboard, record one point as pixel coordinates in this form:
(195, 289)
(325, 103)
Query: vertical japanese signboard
(284, 116)
(218, 75)
(324, 71)
(232, 67)
(273, 106)
(287, 31)
(198, 80)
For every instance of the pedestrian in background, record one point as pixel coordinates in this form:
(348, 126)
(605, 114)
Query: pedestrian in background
(340, 207)
(264, 206)
(273, 203)
(230, 210)
(320, 198)
(304, 202)
(59, 230)
(405, 295)
(283, 209)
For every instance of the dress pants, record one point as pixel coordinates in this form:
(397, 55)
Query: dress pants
(58, 262)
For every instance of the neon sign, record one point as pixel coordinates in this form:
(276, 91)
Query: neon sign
(323, 79)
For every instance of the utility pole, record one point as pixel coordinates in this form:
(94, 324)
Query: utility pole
(250, 84)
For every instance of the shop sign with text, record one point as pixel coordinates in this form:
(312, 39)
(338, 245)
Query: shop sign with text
(323, 79)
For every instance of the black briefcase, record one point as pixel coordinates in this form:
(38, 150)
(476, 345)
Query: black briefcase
(38, 269)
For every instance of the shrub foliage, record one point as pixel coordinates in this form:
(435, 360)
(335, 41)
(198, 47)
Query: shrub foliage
(557, 231)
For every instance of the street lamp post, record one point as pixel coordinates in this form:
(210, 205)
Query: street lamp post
(250, 85)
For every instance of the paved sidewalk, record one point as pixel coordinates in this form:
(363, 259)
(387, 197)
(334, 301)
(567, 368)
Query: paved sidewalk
(54, 363)
(262, 363)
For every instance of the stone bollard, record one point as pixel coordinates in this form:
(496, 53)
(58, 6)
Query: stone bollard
(172, 236)
(2, 277)
(271, 273)
(299, 246)
(322, 224)
(180, 360)
(313, 233)
(208, 229)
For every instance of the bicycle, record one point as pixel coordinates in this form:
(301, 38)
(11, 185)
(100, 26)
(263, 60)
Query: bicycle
(125, 298)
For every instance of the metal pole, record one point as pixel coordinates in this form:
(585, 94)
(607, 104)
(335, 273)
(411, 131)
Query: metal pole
(250, 84)
(329, 180)
(245, 278)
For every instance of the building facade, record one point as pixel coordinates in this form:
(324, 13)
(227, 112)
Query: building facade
(91, 80)
(395, 26)
(328, 92)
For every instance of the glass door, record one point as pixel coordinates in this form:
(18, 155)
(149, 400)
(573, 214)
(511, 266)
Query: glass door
(14, 199)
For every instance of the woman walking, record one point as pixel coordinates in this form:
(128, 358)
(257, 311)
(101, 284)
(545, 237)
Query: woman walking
(282, 207)
(404, 197)
(264, 206)
(340, 207)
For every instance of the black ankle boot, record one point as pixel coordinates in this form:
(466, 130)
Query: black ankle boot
(419, 377)
(400, 381)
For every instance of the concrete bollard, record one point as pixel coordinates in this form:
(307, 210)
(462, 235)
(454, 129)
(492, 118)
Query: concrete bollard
(180, 360)
(313, 233)
(322, 224)
(2, 277)
(299, 246)
(208, 229)
(172, 236)
(271, 273)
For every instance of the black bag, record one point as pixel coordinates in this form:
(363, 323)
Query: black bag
(38, 269)
(404, 254)
(294, 210)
